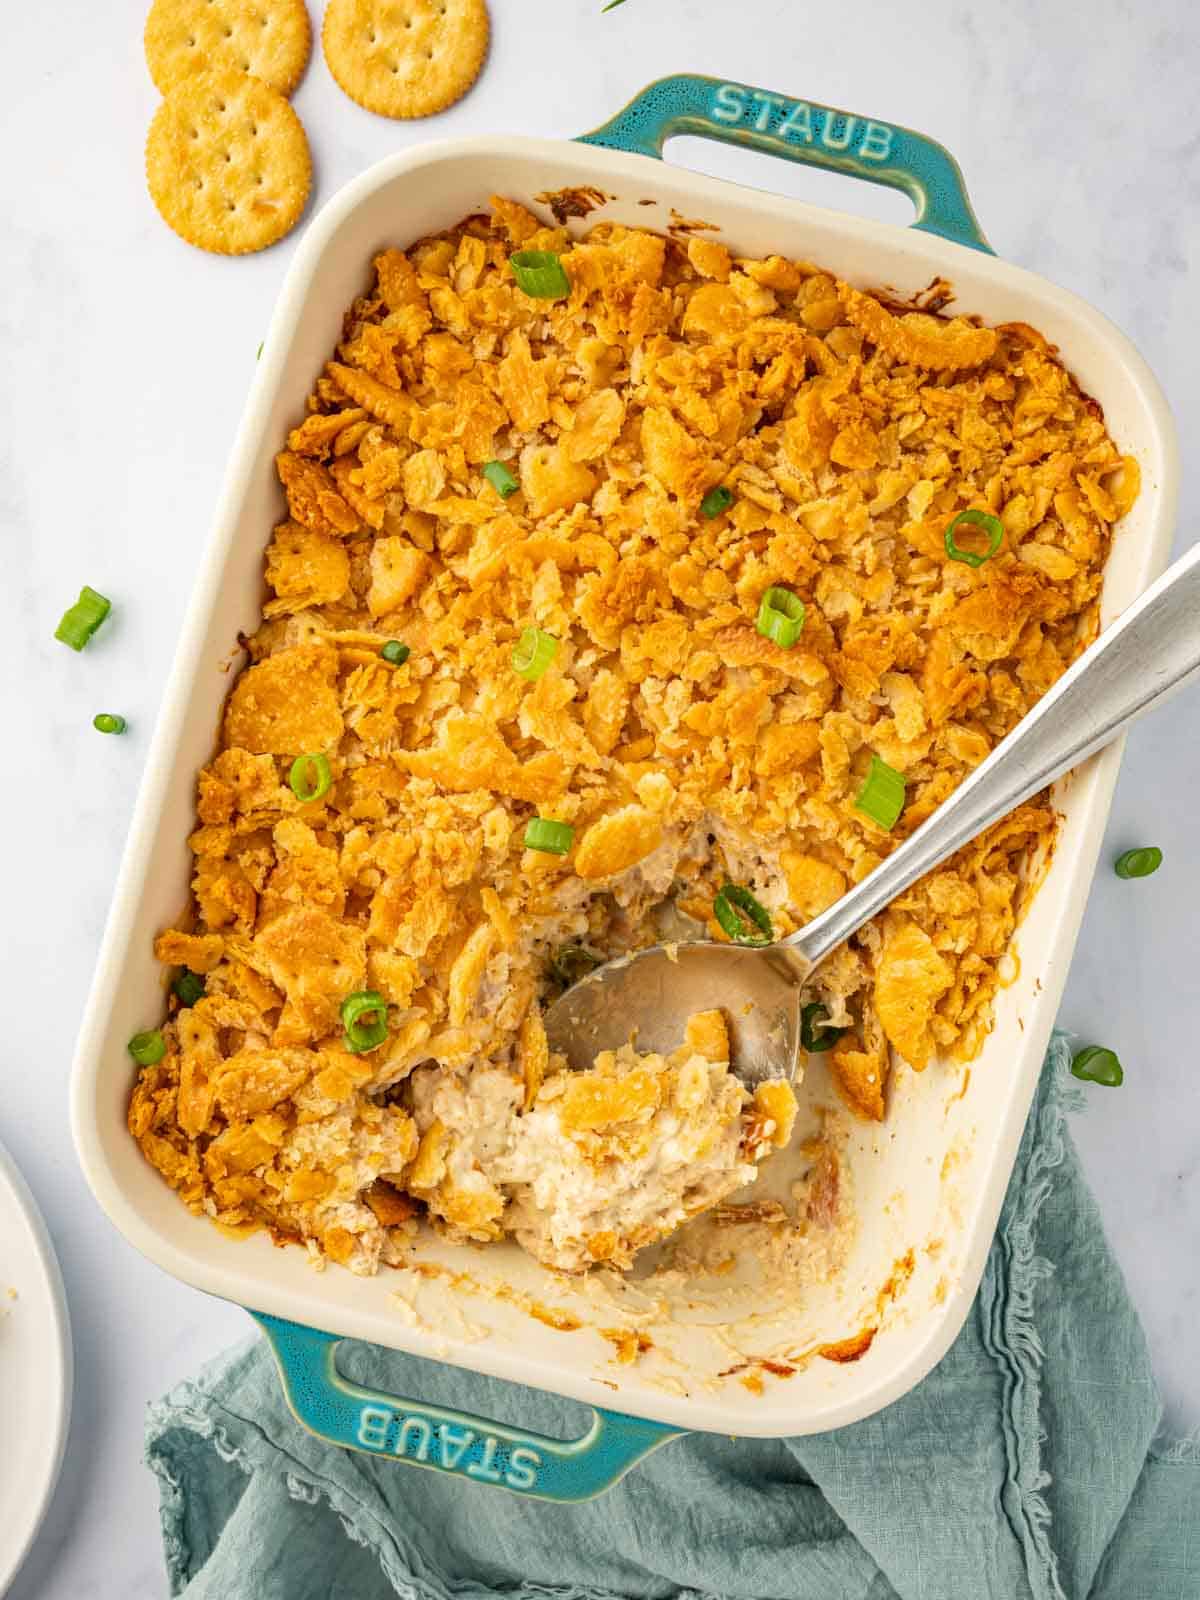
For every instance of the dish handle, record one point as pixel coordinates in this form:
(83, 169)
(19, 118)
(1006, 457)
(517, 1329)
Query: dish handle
(456, 1442)
(803, 131)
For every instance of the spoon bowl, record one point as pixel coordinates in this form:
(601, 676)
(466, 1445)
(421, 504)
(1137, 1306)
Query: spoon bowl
(649, 996)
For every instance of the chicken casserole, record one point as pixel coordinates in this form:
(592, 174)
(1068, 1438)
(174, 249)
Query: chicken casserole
(625, 471)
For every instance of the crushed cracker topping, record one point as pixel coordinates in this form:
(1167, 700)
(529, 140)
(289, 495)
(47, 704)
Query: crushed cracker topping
(681, 747)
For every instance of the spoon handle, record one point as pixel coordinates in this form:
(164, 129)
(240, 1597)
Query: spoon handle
(1148, 652)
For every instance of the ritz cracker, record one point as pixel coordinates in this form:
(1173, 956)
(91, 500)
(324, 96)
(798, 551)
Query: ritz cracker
(800, 123)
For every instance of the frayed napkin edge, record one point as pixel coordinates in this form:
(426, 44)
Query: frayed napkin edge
(400, 1563)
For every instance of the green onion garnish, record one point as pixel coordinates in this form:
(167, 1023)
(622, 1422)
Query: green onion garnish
(991, 525)
(189, 986)
(611, 6)
(540, 274)
(148, 1048)
(1138, 863)
(80, 622)
(812, 1035)
(574, 961)
(259, 351)
(741, 916)
(321, 778)
(534, 652)
(882, 794)
(108, 722)
(363, 1036)
(1095, 1064)
(715, 501)
(395, 652)
(555, 838)
(780, 617)
(501, 479)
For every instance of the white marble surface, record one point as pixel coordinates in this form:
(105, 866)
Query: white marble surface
(125, 360)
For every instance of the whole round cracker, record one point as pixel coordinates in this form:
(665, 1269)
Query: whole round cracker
(270, 39)
(227, 163)
(405, 58)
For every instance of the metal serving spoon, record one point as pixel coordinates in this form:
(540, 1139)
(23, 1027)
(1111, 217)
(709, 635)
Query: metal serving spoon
(1150, 650)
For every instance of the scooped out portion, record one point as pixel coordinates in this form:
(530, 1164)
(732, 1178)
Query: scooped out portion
(595, 1166)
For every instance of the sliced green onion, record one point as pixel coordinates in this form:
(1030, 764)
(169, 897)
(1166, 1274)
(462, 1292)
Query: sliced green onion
(395, 652)
(812, 1035)
(741, 916)
(611, 6)
(82, 619)
(540, 274)
(259, 351)
(534, 652)
(501, 479)
(574, 961)
(555, 838)
(780, 617)
(108, 722)
(882, 794)
(1139, 863)
(1095, 1064)
(715, 501)
(363, 1036)
(306, 787)
(991, 525)
(189, 986)
(148, 1048)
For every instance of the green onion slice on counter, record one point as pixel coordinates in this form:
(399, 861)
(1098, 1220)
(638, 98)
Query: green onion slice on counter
(882, 794)
(189, 986)
(1095, 1064)
(574, 961)
(534, 652)
(813, 1036)
(108, 722)
(717, 499)
(395, 652)
(780, 617)
(148, 1048)
(363, 1036)
(540, 274)
(741, 915)
(991, 525)
(310, 777)
(1138, 863)
(501, 479)
(82, 619)
(555, 838)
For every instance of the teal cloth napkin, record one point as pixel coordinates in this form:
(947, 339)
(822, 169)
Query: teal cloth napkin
(1025, 1467)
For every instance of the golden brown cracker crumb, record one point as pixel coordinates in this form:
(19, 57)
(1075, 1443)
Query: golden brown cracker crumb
(707, 1034)
(775, 1106)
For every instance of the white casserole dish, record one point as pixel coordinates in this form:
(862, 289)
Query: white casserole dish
(929, 1181)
